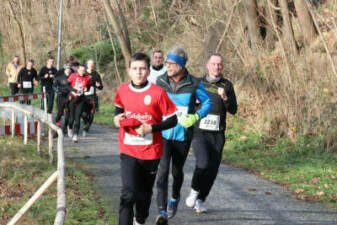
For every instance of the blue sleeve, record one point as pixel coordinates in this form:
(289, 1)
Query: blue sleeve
(205, 100)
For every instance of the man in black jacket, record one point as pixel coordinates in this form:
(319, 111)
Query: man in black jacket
(62, 88)
(27, 78)
(46, 76)
(209, 133)
(91, 96)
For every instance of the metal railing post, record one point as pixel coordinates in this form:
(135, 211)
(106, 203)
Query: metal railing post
(25, 133)
(13, 123)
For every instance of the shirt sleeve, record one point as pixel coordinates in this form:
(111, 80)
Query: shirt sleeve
(71, 78)
(118, 100)
(204, 99)
(230, 103)
(167, 107)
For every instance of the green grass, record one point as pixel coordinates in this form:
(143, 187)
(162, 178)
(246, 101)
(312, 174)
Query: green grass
(22, 172)
(105, 115)
(304, 165)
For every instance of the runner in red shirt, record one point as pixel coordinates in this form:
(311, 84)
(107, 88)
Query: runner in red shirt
(79, 82)
(140, 107)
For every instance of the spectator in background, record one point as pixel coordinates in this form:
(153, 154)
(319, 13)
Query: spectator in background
(157, 68)
(12, 71)
(27, 78)
(46, 76)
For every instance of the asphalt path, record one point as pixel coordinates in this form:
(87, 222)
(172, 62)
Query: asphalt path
(237, 197)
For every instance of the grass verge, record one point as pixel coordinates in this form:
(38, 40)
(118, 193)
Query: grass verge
(305, 166)
(105, 115)
(22, 172)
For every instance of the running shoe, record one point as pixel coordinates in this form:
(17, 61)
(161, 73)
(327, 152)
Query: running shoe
(161, 219)
(192, 198)
(136, 223)
(200, 207)
(75, 138)
(70, 133)
(172, 207)
(84, 133)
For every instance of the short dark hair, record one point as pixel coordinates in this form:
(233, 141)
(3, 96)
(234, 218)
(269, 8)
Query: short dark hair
(31, 61)
(157, 51)
(139, 56)
(213, 54)
(50, 57)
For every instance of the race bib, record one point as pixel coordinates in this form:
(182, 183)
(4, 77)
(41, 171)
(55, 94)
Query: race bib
(145, 139)
(210, 122)
(181, 112)
(27, 84)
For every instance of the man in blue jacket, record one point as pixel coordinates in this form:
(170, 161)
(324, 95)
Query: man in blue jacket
(184, 90)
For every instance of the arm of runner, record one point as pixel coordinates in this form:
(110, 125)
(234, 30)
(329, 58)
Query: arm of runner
(99, 83)
(165, 124)
(205, 100)
(230, 103)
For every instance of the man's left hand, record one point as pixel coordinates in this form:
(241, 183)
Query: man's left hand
(144, 129)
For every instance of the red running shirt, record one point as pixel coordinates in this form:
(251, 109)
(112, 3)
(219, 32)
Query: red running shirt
(149, 105)
(79, 83)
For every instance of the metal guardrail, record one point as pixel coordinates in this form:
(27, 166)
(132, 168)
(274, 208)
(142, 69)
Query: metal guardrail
(59, 175)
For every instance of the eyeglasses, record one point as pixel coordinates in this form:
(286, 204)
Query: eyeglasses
(169, 63)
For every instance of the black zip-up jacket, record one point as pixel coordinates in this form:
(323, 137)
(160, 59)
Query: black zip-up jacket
(28, 76)
(61, 85)
(220, 107)
(47, 82)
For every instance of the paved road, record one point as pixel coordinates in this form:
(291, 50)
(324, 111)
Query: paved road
(237, 198)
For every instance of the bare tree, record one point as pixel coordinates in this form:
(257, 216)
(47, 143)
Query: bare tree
(252, 20)
(269, 17)
(288, 31)
(21, 35)
(305, 19)
(121, 36)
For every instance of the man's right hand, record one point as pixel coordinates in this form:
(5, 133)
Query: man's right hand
(117, 118)
(46, 75)
(19, 85)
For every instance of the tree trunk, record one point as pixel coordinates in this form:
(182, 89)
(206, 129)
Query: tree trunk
(307, 25)
(270, 33)
(252, 20)
(288, 32)
(125, 47)
(22, 38)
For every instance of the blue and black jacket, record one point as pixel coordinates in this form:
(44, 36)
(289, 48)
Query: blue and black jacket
(184, 94)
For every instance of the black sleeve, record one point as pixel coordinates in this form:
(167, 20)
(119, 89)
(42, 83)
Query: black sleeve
(99, 80)
(20, 76)
(118, 110)
(41, 74)
(166, 124)
(230, 103)
(35, 74)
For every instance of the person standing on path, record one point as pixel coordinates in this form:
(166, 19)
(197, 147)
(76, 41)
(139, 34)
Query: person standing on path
(80, 82)
(140, 107)
(12, 72)
(47, 76)
(27, 78)
(184, 90)
(209, 133)
(157, 66)
(91, 96)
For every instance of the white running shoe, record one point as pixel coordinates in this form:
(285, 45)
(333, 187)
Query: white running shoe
(199, 207)
(136, 223)
(75, 138)
(70, 133)
(192, 198)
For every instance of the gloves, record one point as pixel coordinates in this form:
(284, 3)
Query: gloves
(189, 120)
(129, 124)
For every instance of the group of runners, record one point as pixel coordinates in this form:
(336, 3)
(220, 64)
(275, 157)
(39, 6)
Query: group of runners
(160, 114)
(75, 86)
